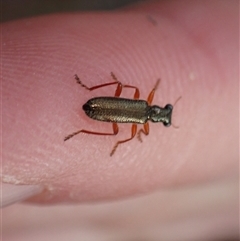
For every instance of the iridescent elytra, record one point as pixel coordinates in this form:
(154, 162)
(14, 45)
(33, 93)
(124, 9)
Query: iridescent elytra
(121, 110)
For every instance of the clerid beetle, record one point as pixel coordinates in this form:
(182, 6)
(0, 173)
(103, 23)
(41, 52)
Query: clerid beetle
(121, 110)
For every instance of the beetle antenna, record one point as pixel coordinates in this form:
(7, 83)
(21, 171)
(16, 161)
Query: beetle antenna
(176, 127)
(179, 98)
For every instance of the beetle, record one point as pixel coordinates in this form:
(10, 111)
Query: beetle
(121, 110)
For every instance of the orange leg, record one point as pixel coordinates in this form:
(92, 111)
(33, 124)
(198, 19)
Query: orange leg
(115, 131)
(118, 89)
(145, 131)
(134, 131)
(136, 94)
(151, 94)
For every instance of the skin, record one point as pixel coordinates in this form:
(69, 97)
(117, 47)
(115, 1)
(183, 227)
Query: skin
(196, 57)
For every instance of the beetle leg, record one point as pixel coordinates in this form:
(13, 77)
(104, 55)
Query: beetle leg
(134, 131)
(114, 76)
(151, 94)
(145, 131)
(118, 90)
(136, 94)
(115, 131)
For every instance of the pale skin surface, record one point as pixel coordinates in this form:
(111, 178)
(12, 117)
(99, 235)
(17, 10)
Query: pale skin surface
(192, 46)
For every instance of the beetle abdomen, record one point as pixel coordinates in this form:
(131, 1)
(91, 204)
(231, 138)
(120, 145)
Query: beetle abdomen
(114, 109)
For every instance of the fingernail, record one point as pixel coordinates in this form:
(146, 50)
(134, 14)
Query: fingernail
(16, 193)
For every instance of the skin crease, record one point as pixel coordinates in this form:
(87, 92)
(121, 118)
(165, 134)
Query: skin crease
(195, 57)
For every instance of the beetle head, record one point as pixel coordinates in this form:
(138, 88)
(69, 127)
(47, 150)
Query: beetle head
(159, 114)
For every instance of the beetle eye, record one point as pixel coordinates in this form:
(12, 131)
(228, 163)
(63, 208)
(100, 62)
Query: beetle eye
(169, 107)
(167, 124)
